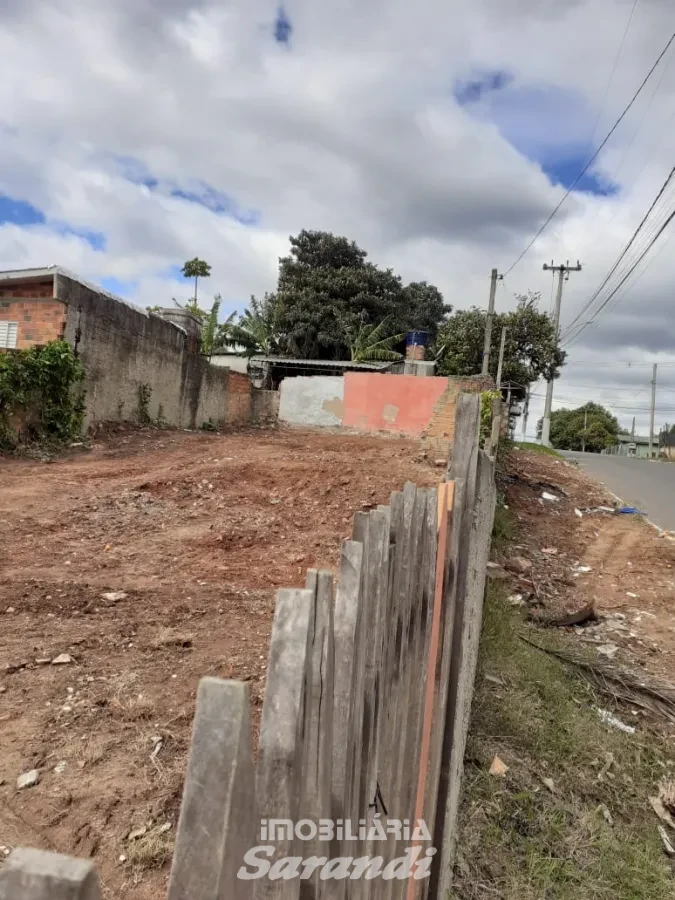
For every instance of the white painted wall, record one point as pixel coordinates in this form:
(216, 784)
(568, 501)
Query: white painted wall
(231, 360)
(314, 400)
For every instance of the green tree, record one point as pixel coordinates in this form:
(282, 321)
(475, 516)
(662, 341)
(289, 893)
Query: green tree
(258, 330)
(530, 351)
(326, 285)
(568, 432)
(368, 342)
(196, 268)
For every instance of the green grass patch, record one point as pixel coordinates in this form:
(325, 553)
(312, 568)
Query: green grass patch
(537, 448)
(594, 835)
(504, 528)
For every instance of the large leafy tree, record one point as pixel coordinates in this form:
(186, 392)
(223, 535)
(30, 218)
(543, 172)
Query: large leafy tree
(568, 431)
(531, 350)
(196, 268)
(326, 286)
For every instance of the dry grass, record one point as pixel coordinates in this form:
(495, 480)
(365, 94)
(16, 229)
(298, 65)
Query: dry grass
(150, 851)
(594, 835)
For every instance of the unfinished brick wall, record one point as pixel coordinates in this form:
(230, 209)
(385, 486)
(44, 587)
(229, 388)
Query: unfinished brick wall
(439, 433)
(39, 317)
(238, 410)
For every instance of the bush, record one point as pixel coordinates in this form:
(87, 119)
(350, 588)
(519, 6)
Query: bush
(41, 398)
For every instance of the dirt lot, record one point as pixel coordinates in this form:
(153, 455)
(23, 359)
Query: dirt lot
(197, 531)
(620, 561)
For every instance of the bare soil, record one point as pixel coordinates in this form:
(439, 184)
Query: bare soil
(197, 531)
(620, 561)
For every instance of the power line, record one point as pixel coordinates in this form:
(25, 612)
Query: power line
(595, 155)
(628, 273)
(622, 255)
(613, 72)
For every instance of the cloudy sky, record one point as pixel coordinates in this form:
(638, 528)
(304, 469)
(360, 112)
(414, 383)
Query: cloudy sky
(136, 134)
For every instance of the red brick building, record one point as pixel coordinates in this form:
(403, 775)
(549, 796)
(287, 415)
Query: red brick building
(29, 312)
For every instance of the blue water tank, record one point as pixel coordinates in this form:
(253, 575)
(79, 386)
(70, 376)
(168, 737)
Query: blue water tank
(417, 339)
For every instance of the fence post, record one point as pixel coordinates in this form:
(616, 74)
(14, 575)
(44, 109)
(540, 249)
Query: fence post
(218, 820)
(283, 731)
(38, 875)
(475, 553)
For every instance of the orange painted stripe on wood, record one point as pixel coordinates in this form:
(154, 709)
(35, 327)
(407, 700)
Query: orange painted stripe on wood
(446, 496)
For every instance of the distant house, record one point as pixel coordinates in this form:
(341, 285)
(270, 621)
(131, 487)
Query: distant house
(633, 445)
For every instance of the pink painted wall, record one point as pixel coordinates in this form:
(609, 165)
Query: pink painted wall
(401, 403)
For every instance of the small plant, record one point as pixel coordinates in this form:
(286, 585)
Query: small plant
(210, 425)
(160, 421)
(486, 400)
(120, 410)
(41, 395)
(144, 395)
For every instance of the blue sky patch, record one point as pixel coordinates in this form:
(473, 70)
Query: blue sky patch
(19, 212)
(283, 27)
(549, 125)
(116, 286)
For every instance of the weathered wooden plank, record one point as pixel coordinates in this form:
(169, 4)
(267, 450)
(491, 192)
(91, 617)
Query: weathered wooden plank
(447, 581)
(360, 535)
(316, 801)
(38, 875)
(466, 441)
(347, 626)
(477, 551)
(283, 729)
(218, 820)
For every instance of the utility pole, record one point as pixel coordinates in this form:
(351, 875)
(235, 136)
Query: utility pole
(563, 273)
(494, 278)
(526, 411)
(583, 439)
(632, 432)
(651, 413)
(500, 364)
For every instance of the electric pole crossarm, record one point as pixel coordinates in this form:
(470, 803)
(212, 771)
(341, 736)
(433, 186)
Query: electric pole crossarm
(562, 271)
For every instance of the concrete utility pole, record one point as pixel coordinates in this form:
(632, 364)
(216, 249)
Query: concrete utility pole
(500, 364)
(563, 273)
(583, 439)
(494, 278)
(652, 409)
(526, 411)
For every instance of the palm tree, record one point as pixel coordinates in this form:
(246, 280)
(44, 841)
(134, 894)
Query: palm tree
(196, 268)
(257, 331)
(366, 342)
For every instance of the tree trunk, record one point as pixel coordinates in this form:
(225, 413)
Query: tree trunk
(196, 277)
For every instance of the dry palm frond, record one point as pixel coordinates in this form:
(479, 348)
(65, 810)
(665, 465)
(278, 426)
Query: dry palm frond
(643, 691)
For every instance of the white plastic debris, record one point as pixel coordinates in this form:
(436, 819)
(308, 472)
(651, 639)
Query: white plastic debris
(551, 497)
(610, 719)
(578, 512)
(608, 650)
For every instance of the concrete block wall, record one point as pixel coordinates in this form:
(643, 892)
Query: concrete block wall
(312, 401)
(123, 348)
(264, 407)
(39, 317)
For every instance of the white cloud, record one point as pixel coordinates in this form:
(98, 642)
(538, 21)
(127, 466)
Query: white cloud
(353, 127)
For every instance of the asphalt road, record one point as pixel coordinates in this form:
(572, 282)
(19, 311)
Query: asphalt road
(648, 485)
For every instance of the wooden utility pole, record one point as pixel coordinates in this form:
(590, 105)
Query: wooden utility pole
(652, 410)
(500, 364)
(494, 278)
(563, 273)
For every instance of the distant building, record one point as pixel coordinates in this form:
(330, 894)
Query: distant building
(633, 445)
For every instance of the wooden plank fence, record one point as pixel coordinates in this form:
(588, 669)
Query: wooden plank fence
(364, 720)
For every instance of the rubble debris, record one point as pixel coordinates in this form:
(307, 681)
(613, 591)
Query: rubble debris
(498, 768)
(550, 497)
(578, 512)
(587, 613)
(608, 650)
(28, 779)
(519, 565)
(63, 659)
(610, 719)
(516, 600)
(661, 811)
(114, 596)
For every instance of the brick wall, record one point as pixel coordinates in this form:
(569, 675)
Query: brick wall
(439, 433)
(39, 317)
(238, 410)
